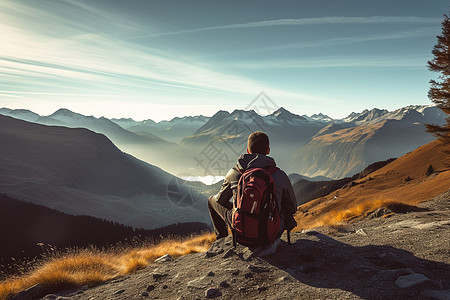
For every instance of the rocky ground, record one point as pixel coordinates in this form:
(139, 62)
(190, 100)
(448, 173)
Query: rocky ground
(387, 256)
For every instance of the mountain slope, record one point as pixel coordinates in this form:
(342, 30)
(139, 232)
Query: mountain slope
(65, 117)
(143, 145)
(82, 173)
(343, 149)
(306, 189)
(402, 182)
(23, 114)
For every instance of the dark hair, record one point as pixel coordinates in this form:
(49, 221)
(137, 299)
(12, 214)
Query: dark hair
(258, 142)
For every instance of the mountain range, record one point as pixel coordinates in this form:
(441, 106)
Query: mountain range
(79, 172)
(312, 146)
(343, 149)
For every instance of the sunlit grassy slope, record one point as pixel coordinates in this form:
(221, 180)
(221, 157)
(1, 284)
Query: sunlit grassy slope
(404, 181)
(87, 267)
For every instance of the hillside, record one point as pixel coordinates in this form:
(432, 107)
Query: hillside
(403, 181)
(80, 172)
(31, 225)
(142, 144)
(306, 189)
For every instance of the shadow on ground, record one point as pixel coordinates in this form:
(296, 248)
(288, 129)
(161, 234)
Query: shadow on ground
(369, 272)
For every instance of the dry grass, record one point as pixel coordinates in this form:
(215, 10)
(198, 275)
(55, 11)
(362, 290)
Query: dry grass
(344, 216)
(91, 266)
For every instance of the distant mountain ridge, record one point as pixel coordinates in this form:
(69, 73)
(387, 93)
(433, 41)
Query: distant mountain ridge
(313, 146)
(80, 172)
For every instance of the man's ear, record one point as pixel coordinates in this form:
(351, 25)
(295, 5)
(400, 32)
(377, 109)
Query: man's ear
(268, 151)
(248, 151)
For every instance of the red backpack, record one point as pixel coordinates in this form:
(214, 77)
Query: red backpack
(255, 218)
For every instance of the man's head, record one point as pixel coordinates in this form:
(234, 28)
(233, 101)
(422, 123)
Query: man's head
(258, 142)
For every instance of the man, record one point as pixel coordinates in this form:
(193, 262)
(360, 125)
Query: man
(221, 205)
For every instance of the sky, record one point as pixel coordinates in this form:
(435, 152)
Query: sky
(157, 59)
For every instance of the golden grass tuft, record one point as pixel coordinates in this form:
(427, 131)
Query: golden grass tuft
(352, 212)
(90, 266)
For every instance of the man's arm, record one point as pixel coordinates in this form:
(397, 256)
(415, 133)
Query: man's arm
(225, 194)
(288, 204)
(291, 201)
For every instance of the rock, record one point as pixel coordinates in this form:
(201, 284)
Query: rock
(164, 258)
(228, 253)
(224, 284)
(145, 294)
(150, 288)
(157, 276)
(213, 293)
(247, 254)
(436, 294)
(165, 286)
(411, 280)
(361, 232)
(210, 254)
(284, 278)
(119, 292)
(388, 275)
(216, 248)
(198, 283)
(257, 269)
(30, 293)
(211, 273)
(262, 288)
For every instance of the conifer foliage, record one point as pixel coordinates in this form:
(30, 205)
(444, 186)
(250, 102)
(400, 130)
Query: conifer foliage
(439, 91)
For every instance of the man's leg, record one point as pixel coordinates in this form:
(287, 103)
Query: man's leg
(220, 217)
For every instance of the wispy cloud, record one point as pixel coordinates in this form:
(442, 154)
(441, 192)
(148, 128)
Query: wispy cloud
(308, 21)
(394, 35)
(407, 61)
(87, 63)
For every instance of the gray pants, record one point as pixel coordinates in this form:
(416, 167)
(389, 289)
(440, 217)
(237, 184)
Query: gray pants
(220, 217)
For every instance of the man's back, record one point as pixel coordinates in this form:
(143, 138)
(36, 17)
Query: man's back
(287, 204)
(221, 205)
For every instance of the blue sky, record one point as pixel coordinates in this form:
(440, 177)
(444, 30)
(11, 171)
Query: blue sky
(160, 59)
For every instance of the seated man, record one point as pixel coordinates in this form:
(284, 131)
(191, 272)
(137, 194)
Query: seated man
(221, 205)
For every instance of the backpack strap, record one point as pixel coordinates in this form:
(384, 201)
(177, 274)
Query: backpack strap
(272, 170)
(239, 170)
